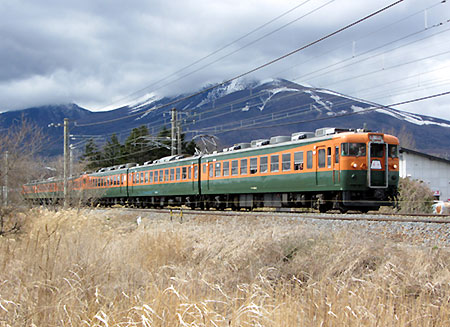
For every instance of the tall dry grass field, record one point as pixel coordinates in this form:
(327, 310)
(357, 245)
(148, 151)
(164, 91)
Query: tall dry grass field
(98, 268)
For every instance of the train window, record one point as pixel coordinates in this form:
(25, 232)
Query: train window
(354, 149)
(178, 171)
(309, 159)
(244, 164)
(286, 162)
(253, 165)
(321, 158)
(150, 176)
(172, 174)
(204, 168)
(211, 169)
(298, 160)
(234, 167)
(263, 164)
(377, 150)
(393, 151)
(166, 175)
(155, 177)
(195, 172)
(274, 163)
(336, 154)
(217, 169)
(189, 169)
(184, 173)
(142, 178)
(146, 176)
(226, 168)
(329, 157)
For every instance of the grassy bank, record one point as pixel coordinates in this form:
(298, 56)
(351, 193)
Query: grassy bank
(91, 268)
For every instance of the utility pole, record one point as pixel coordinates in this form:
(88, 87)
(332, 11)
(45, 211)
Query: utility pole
(174, 124)
(179, 137)
(66, 161)
(5, 194)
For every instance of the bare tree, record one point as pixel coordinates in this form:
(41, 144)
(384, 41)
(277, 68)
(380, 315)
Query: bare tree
(21, 144)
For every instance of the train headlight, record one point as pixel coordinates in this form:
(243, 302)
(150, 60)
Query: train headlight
(354, 165)
(395, 166)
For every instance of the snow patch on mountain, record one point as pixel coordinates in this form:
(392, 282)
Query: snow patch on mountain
(142, 101)
(227, 88)
(411, 118)
(326, 104)
(357, 108)
(272, 93)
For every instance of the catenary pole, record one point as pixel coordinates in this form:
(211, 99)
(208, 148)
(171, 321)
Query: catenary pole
(66, 161)
(174, 126)
(5, 194)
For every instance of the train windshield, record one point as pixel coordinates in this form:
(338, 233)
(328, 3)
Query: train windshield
(393, 151)
(353, 149)
(377, 150)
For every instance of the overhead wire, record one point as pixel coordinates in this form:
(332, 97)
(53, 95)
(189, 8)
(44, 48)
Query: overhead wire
(366, 52)
(240, 100)
(251, 70)
(211, 54)
(376, 107)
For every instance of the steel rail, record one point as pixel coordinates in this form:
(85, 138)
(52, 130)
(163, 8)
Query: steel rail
(407, 218)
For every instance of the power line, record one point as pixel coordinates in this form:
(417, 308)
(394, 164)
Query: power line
(338, 116)
(210, 55)
(307, 121)
(254, 69)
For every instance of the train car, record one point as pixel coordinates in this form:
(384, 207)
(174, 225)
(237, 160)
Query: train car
(172, 180)
(51, 190)
(330, 169)
(44, 192)
(107, 186)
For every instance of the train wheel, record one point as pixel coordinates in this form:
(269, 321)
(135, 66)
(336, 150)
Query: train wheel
(324, 207)
(343, 209)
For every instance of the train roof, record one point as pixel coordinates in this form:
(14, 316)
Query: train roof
(277, 141)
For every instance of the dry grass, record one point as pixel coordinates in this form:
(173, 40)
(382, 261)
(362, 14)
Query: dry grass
(90, 268)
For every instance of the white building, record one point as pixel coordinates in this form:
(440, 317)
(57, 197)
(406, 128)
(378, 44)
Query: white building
(433, 171)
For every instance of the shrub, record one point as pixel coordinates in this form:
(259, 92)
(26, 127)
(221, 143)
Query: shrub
(414, 196)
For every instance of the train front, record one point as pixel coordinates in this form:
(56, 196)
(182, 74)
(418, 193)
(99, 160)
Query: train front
(369, 170)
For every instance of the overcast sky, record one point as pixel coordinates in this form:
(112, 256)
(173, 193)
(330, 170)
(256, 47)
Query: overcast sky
(95, 53)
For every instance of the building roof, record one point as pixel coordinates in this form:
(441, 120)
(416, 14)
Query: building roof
(429, 156)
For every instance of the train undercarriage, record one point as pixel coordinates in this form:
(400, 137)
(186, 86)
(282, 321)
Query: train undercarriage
(342, 201)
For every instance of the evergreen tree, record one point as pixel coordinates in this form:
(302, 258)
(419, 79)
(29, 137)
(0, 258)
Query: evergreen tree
(136, 147)
(112, 152)
(161, 152)
(91, 156)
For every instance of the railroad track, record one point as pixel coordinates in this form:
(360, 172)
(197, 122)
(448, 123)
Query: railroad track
(381, 217)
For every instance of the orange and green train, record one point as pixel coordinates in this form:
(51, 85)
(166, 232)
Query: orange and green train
(329, 169)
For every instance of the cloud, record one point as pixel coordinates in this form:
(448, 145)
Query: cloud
(94, 53)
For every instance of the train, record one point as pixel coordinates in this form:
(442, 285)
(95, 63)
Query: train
(329, 169)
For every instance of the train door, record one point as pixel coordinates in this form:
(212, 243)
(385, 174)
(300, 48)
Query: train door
(378, 165)
(193, 175)
(336, 165)
(321, 165)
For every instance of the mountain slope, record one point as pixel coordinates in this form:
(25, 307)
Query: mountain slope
(242, 111)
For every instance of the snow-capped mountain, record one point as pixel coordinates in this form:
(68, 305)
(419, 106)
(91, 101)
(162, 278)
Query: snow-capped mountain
(241, 111)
